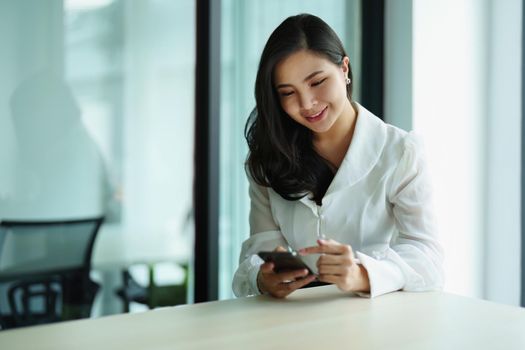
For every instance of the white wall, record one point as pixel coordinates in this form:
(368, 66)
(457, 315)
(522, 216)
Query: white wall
(449, 111)
(466, 101)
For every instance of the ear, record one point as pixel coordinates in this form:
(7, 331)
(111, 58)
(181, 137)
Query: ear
(345, 66)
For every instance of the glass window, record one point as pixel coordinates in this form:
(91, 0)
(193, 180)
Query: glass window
(96, 118)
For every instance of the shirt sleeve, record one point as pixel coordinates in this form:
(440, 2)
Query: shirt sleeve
(265, 235)
(413, 262)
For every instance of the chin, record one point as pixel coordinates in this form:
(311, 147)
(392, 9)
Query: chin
(323, 127)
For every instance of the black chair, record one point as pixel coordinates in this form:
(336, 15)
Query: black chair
(45, 267)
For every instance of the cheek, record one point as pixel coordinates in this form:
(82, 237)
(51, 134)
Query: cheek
(289, 105)
(333, 93)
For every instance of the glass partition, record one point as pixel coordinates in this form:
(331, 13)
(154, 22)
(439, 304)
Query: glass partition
(96, 118)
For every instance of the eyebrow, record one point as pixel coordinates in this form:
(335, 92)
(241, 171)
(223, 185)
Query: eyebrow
(310, 76)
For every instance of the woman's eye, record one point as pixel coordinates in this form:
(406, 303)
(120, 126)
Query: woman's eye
(288, 93)
(318, 82)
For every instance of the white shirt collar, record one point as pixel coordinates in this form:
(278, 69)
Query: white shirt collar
(363, 153)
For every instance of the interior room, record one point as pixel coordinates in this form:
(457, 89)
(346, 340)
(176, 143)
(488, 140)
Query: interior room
(127, 195)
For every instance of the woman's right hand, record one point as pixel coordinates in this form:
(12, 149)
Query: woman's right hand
(279, 285)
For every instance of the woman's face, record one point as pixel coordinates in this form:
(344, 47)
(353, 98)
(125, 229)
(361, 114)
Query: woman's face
(312, 89)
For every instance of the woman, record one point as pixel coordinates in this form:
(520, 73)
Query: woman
(329, 179)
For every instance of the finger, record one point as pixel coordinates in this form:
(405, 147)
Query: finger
(291, 275)
(267, 267)
(343, 261)
(334, 279)
(331, 270)
(338, 248)
(326, 248)
(330, 259)
(307, 250)
(280, 249)
(290, 287)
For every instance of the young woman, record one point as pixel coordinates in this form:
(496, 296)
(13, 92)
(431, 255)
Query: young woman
(329, 179)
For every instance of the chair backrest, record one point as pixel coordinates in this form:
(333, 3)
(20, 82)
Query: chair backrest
(34, 302)
(34, 247)
(44, 267)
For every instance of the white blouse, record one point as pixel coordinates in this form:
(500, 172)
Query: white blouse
(379, 203)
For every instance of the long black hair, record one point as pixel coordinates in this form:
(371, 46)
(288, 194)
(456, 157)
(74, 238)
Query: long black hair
(282, 155)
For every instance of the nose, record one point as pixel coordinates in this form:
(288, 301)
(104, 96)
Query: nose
(307, 101)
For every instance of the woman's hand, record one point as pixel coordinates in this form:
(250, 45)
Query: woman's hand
(337, 265)
(279, 285)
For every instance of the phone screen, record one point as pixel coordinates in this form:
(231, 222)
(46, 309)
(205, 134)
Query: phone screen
(284, 261)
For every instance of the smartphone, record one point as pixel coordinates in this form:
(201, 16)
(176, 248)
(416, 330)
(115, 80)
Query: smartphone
(284, 261)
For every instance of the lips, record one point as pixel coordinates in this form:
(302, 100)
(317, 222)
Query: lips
(318, 116)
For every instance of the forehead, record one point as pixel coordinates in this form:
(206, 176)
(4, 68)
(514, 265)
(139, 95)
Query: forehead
(297, 66)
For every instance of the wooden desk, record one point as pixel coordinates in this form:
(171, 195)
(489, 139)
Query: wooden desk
(317, 318)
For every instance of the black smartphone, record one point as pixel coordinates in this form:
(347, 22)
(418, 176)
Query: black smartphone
(284, 261)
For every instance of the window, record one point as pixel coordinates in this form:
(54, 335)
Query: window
(96, 117)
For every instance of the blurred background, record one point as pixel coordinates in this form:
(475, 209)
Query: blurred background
(98, 120)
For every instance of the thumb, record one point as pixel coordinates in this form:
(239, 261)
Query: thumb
(280, 249)
(266, 267)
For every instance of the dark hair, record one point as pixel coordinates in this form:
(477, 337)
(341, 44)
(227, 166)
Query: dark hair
(281, 153)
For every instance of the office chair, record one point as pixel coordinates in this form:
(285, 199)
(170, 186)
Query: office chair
(45, 266)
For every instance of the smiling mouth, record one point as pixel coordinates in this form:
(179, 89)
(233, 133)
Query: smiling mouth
(317, 116)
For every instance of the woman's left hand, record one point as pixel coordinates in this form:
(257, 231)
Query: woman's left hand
(337, 265)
